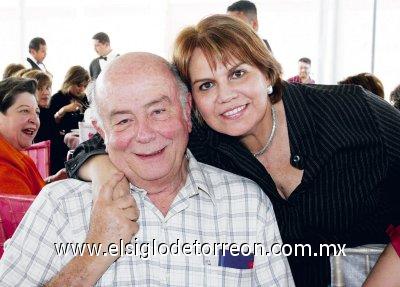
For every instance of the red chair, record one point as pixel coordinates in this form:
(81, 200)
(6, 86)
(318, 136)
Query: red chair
(12, 210)
(40, 154)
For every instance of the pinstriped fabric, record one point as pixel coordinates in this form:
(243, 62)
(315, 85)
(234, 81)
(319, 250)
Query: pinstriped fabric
(213, 207)
(348, 141)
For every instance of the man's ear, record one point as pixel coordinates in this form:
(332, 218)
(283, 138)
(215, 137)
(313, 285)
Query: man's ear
(98, 128)
(254, 24)
(188, 110)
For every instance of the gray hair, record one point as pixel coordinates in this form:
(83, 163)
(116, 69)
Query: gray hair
(182, 89)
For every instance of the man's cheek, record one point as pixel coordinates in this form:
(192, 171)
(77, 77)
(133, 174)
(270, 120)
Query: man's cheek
(118, 142)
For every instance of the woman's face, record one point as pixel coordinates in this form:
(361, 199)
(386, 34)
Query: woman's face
(78, 90)
(43, 96)
(232, 99)
(20, 122)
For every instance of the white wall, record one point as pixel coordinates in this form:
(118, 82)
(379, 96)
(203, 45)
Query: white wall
(335, 34)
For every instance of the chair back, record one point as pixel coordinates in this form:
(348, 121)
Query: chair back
(40, 154)
(353, 268)
(12, 210)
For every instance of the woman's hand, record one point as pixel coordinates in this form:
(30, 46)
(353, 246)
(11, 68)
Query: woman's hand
(72, 107)
(61, 174)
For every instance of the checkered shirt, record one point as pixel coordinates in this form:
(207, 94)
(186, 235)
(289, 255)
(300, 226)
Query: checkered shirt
(214, 206)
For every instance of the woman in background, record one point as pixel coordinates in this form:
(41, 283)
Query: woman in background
(68, 106)
(19, 123)
(368, 81)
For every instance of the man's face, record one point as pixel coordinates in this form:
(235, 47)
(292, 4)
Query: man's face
(304, 70)
(144, 125)
(40, 54)
(100, 48)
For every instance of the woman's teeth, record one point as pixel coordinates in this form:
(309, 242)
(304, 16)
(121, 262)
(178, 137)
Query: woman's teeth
(234, 111)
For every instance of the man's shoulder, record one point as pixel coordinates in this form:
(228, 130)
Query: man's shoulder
(66, 189)
(95, 61)
(294, 79)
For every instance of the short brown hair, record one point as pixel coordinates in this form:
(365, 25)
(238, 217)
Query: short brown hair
(221, 38)
(11, 87)
(76, 75)
(43, 79)
(366, 80)
(11, 69)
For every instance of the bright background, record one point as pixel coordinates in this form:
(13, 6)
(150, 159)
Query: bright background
(336, 34)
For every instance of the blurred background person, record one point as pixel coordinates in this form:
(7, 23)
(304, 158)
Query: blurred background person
(68, 106)
(247, 12)
(395, 97)
(304, 72)
(102, 46)
(11, 69)
(366, 80)
(19, 123)
(37, 51)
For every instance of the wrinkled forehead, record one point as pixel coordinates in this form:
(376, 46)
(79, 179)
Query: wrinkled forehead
(134, 90)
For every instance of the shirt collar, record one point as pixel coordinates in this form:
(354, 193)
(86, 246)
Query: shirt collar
(196, 183)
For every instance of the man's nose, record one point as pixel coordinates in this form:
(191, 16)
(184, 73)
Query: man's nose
(145, 133)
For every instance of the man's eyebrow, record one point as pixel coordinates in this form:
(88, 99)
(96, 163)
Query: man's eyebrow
(159, 100)
(119, 112)
(127, 111)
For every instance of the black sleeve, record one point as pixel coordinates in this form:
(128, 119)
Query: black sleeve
(57, 102)
(81, 154)
(388, 119)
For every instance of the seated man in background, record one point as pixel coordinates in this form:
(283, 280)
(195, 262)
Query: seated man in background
(142, 110)
(304, 73)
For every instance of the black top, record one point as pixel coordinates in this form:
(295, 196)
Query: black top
(70, 121)
(347, 141)
(267, 44)
(33, 64)
(48, 128)
(48, 131)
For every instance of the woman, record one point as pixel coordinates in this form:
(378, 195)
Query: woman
(368, 81)
(19, 123)
(67, 106)
(326, 156)
(47, 130)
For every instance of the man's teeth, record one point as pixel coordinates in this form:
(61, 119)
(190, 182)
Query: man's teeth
(234, 111)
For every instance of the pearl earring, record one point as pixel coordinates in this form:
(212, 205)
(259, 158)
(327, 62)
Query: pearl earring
(270, 90)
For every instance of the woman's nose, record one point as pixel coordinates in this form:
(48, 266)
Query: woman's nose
(226, 93)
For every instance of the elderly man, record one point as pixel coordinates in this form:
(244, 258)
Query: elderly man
(191, 213)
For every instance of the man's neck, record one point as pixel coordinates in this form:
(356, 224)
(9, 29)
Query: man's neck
(304, 80)
(107, 52)
(163, 192)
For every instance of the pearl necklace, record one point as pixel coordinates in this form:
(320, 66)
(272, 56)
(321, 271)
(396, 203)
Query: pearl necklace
(271, 136)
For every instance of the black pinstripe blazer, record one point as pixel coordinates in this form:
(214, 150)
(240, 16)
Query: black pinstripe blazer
(347, 141)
